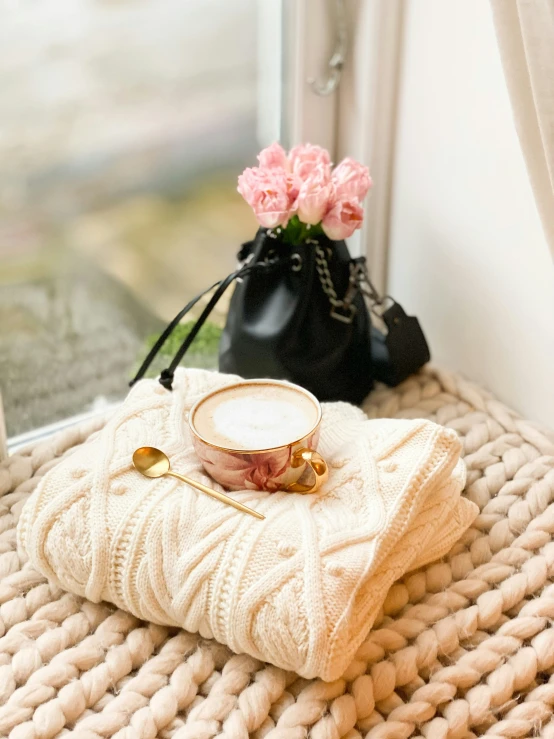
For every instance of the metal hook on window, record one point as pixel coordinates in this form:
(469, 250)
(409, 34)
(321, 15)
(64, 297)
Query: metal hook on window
(336, 62)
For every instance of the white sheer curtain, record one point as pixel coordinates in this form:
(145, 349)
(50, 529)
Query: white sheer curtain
(525, 31)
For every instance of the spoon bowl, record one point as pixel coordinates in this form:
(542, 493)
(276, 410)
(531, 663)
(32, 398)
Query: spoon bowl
(152, 462)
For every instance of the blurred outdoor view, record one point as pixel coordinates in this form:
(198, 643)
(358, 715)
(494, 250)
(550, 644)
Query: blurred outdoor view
(123, 127)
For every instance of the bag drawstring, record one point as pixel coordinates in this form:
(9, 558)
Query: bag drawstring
(166, 334)
(167, 375)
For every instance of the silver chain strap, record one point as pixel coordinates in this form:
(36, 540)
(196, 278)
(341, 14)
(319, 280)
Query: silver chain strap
(342, 309)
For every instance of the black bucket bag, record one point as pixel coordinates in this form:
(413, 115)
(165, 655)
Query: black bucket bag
(303, 314)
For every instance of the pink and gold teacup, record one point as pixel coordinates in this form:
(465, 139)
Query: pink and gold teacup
(260, 434)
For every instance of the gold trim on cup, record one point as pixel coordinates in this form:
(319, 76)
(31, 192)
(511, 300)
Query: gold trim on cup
(244, 383)
(318, 466)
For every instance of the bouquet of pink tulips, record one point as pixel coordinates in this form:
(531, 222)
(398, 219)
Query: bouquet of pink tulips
(300, 195)
(298, 310)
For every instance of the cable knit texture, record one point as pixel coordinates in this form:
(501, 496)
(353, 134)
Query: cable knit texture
(460, 648)
(300, 589)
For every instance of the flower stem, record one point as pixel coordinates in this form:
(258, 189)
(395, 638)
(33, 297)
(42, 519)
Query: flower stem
(297, 232)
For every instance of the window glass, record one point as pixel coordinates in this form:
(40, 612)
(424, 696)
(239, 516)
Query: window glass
(123, 127)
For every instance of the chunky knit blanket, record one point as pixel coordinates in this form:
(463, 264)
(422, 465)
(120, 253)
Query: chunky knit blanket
(462, 647)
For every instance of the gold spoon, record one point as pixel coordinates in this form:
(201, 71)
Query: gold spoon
(152, 462)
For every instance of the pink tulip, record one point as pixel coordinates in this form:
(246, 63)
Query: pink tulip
(343, 219)
(315, 195)
(271, 193)
(273, 156)
(351, 180)
(304, 158)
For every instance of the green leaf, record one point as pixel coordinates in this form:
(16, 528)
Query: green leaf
(297, 232)
(206, 342)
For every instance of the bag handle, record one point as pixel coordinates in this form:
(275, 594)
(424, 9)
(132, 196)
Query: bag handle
(164, 336)
(167, 375)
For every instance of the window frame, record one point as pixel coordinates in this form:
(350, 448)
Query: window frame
(359, 118)
(367, 115)
(308, 40)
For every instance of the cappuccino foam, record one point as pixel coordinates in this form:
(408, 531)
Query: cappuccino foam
(255, 416)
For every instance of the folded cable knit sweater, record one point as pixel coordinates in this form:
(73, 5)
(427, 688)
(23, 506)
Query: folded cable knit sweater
(300, 589)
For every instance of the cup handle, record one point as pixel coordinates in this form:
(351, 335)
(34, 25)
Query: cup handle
(319, 468)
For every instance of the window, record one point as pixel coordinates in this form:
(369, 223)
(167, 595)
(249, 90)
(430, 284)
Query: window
(123, 127)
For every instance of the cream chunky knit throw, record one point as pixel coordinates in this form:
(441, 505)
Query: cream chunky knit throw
(300, 589)
(462, 647)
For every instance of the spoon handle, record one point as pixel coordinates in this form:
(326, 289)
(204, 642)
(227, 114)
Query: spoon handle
(215, 494)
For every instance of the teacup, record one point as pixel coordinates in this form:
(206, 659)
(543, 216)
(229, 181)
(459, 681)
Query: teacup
(261, 435)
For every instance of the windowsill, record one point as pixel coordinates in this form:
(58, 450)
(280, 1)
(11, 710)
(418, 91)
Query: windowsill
(16, 443)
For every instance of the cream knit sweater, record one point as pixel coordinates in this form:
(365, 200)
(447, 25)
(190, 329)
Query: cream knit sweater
(300, 589)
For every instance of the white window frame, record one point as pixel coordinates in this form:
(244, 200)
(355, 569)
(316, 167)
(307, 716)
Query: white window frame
(295, 41)
(367, 112)
(359, 118)
(308, 43)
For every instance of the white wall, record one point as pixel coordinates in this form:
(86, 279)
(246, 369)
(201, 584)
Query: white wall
(468, 255)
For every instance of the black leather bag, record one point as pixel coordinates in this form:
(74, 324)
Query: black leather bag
(282, 324)
(299, 313)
